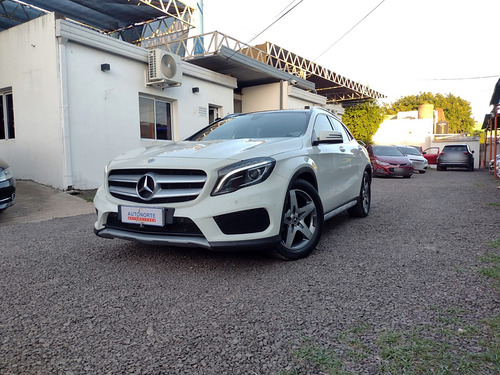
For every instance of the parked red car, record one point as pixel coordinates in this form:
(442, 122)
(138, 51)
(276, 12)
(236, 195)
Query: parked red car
(389, 161)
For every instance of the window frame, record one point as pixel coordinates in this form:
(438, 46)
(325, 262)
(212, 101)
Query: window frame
(7, 120)
(155, 124)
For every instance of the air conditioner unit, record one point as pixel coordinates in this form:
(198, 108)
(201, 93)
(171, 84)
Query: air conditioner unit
(164, 68)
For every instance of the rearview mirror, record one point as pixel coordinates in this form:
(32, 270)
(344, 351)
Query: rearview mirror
(327, 136)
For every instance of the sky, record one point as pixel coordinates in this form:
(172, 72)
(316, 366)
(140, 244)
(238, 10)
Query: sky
(400, 47)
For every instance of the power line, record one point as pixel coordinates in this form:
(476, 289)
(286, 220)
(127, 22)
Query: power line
(462, 78)
(352, 28)
(283, 13)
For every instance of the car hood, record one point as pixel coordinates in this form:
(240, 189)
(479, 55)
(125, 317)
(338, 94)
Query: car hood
(393, 159)
(415, 157)
(205, 152)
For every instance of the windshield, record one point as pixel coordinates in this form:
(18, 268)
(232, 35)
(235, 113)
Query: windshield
(255, 125)
(409, 151)
(386, 151)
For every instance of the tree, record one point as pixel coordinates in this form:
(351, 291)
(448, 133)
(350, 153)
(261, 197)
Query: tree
(363, 120)
(458, 112)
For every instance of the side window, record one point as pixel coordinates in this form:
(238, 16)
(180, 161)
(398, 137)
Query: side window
(343, 129)
(321, 123)
(155, 118)
(7, 128)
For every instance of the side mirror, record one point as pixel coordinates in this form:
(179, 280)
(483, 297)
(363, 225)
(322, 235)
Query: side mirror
(327, 136)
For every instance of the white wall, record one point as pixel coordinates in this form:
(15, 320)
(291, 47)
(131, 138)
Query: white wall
(71, 118)
(405, 132)
(28, 64)
(279, 95)
(261, 98)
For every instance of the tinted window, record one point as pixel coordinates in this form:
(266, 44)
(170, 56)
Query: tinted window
(455, 148)
(255, 125)
(321, 123)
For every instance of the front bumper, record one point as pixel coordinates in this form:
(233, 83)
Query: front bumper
(382, 170)
(419, 166)
(7, 193)
(249, 217)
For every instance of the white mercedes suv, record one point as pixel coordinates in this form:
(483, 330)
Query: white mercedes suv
(262, 180)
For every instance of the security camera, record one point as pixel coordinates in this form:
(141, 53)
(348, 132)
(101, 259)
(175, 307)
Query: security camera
(293, 82)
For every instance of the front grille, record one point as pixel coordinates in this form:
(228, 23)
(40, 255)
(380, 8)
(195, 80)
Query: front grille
(181, 226)
(165, 185)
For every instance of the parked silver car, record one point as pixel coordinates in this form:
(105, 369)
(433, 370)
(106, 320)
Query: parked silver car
(7, 186)
(418, 162)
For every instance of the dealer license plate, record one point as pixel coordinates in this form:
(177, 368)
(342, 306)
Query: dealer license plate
(142, 215)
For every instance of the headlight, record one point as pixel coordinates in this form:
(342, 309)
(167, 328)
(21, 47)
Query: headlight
(242, 174)
(6, 174)
(381, 162)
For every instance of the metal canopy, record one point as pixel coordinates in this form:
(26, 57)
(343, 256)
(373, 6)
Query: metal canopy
(103, 15)
(211, 51)
(247, 71)
(495, 98)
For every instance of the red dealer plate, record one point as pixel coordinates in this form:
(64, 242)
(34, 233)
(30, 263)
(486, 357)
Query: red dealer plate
(142, 215)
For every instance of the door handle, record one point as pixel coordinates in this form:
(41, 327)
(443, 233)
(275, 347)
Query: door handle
(342, 149)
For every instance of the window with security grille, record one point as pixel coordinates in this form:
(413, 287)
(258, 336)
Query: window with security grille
(155, 118)
(7, 129)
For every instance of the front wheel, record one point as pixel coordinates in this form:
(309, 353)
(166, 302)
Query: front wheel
(362, 207)
(301, 223)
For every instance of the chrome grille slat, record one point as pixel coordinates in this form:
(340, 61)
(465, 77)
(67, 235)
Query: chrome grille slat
(171, 193)
(129, 192)
(124, 178)
(181, 179)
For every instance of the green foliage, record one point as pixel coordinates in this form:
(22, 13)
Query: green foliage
(363, 120)
(458, 111)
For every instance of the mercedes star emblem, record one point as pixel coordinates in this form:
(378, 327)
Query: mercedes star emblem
(146, 187)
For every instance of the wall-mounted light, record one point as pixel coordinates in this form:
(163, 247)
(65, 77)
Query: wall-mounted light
(195, 90)
(105, 67)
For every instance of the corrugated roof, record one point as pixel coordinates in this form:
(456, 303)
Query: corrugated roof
(104, 15)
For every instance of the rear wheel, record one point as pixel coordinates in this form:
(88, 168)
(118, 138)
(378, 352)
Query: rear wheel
(301, 223)
(362, 208)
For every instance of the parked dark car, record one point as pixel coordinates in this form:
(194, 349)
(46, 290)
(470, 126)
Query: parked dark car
(389, 161)
(456, 156)
(7, 186)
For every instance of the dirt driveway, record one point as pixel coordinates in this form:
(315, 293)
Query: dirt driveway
(36, 202)
(397, 292)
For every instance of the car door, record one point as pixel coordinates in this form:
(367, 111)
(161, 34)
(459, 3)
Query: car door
(330, 160)
(352, 161)
(431, 154)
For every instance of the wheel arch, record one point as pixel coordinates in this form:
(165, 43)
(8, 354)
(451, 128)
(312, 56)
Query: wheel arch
(305, 173)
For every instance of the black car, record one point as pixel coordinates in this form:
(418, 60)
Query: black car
(456, 156)
(7, 186)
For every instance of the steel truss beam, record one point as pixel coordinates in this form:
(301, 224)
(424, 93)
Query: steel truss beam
(153, 32)
(335, 87)
(171, 8)
(19, 12)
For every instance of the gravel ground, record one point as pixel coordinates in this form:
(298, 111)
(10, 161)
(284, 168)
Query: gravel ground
(73, 303)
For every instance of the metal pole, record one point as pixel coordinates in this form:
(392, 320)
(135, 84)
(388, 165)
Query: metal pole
(497, 107)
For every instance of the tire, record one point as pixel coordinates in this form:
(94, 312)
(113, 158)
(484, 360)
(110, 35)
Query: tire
(301, 222)
(362, 208)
